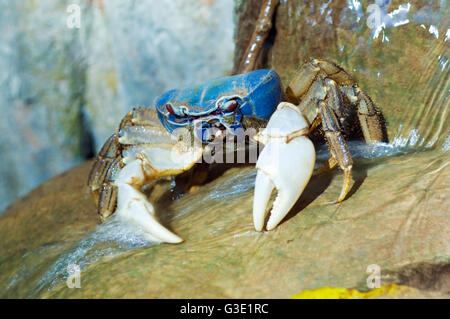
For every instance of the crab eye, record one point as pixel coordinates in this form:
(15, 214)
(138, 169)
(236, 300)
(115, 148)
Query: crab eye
(170, 109)
(229, 106)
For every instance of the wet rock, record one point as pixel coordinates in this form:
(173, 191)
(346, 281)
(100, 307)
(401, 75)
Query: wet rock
(396, 216)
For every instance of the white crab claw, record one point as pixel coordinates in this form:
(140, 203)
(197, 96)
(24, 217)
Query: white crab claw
(286, 163)
(133, 206)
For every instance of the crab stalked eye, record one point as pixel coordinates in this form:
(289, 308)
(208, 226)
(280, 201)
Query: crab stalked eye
(180, 111)
(170, 109)
(229, 106)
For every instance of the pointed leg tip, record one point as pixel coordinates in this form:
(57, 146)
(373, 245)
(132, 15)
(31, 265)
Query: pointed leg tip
(341, 198)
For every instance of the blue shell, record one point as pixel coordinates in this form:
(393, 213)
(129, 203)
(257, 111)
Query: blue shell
(260, 93)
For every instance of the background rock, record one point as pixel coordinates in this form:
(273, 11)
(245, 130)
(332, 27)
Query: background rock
(41, 92)
(63, 91)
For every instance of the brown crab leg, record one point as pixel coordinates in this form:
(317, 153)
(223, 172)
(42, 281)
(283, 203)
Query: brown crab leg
(107, 201)
(101, 175)
(301, 82)
(262, 30)
(370, 118)
(102, 162)
(336, 141)
(337, 145)
(327, 166)
(315, 123)
(315, 83)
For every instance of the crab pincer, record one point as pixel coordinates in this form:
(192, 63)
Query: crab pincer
(286, 164)
(149, 162)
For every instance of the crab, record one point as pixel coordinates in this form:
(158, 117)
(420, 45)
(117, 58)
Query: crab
(321, 99)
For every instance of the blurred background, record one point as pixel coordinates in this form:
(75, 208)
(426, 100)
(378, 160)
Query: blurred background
(70, 70)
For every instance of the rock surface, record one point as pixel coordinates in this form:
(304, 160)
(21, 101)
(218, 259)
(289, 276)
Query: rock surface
(395, 217)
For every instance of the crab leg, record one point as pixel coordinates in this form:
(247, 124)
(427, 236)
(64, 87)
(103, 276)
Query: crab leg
(259, 36)
(318, 84)
(336, 141)
(285, 164)
(370, 118)
(102, 174)
(327, 166)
